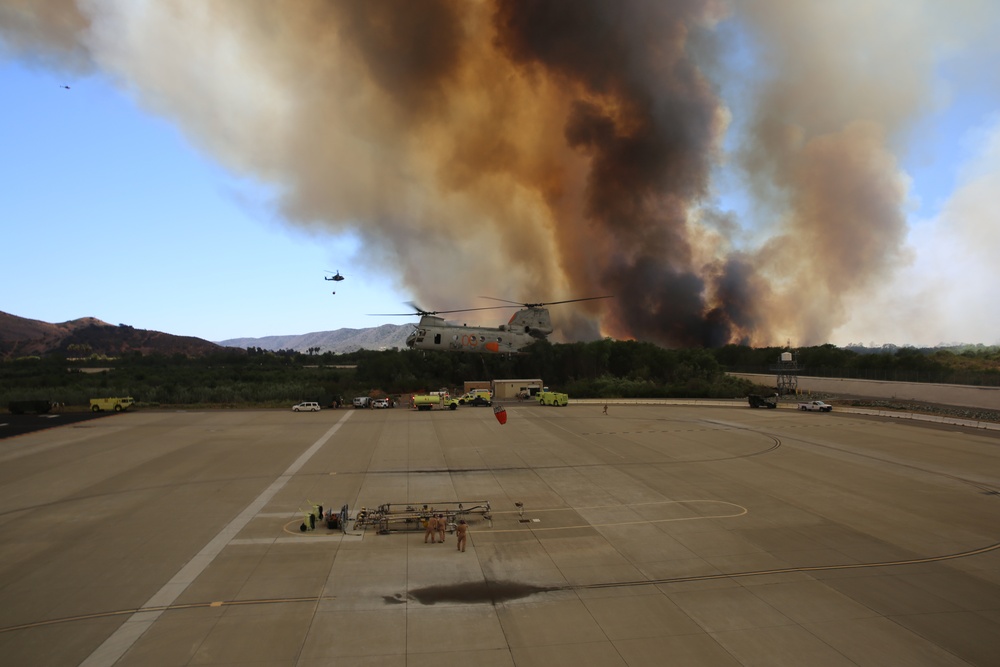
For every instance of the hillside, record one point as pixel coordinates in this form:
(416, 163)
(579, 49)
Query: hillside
(14, 328)
(21, 337)
(383, 337)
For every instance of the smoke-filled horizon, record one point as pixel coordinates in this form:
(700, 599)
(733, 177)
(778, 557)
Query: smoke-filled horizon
(560, 149)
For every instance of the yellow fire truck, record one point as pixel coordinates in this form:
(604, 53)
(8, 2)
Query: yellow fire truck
(116, 404)
(433, 401)
(546, 397)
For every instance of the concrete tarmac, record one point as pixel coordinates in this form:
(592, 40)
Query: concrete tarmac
(688, 535)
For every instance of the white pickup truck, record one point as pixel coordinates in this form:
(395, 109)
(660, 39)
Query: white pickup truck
(816, 405)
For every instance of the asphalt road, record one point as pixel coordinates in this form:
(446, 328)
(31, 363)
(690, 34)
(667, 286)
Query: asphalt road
(13, 425)
(689, 535)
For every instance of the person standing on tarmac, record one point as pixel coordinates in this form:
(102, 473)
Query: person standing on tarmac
(461, 531)
(431, 530)
(442, 526)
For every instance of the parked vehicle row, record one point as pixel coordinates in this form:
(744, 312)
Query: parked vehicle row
(476, 397)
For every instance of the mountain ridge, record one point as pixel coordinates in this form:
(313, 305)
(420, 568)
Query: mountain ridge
(339, 341)
(86, 336)
(21, 336)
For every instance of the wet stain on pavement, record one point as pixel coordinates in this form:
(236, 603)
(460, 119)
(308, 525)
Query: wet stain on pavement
(475, 592)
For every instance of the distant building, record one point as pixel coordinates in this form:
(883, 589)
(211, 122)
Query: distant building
(510, 389)
(476, 384)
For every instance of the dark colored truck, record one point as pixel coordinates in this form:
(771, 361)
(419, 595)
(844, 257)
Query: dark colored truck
(23, 407)
(761, 402)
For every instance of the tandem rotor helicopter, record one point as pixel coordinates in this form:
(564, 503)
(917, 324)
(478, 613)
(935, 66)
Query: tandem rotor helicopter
(527, 325)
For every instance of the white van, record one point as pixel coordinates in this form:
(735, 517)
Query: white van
(307, 406)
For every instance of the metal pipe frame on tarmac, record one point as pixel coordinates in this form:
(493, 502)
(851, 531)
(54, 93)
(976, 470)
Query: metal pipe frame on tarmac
(396, 517)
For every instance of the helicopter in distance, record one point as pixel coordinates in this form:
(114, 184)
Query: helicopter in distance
(530, 323)
(336, 276)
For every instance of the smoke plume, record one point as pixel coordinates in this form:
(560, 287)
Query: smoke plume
(571, 147)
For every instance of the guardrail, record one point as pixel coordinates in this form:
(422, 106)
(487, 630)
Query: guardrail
(916, 416)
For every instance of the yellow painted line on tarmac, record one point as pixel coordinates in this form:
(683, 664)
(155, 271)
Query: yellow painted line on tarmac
(292, 527)
(619, 506)
(788, 570)
(645, 582)
(314, 533)
(172, 607)
(533, 527)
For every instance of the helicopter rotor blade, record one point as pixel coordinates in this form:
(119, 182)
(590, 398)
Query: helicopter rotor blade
(547, 303)
(493, 298)
(469, 310)
(417, 310)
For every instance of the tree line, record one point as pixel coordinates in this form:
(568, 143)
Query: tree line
(962, 364)
(597, 369)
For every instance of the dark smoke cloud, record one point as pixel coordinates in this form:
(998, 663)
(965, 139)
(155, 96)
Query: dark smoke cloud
(409, 49)
(45, 33)
(568, 147)
(649, 147)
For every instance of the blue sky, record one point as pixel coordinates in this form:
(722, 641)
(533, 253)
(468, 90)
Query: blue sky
(111, 213)
(122, 198)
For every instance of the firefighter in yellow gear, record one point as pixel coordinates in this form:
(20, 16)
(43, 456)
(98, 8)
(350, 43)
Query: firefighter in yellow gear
(431, 529)
(442, 526)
